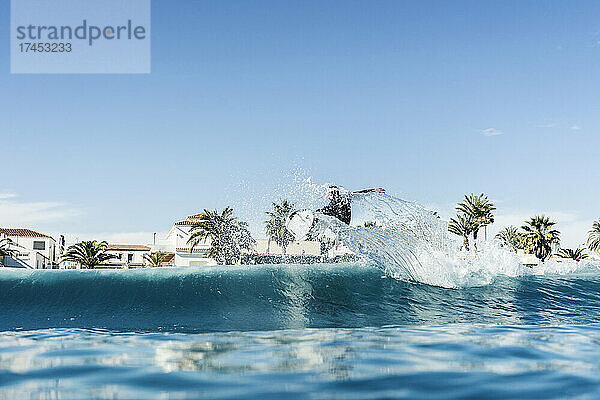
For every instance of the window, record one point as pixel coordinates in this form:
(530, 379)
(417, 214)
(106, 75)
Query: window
(129, 257)
(120, 256)
(39, 245)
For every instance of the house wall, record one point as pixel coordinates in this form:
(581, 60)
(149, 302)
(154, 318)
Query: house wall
(134, 258)
(26, 259)
(29, 257)
(178, 237)
(176, 242)
(183, 258)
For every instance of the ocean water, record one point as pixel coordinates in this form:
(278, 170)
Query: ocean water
(415, 318)
(321, 331)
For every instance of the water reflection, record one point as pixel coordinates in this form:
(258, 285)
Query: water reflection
(75, 364)
(326, 352)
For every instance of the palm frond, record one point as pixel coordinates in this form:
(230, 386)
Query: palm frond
(463, 226)
(479, 208)
(577, 255)
(511, 237)
(540, 238)
(88, 254)
(593, 240)
(155, 259)
(228, 236)
(275, 226)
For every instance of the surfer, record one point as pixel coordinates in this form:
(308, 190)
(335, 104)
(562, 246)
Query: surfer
(339, 202)
(302, 223)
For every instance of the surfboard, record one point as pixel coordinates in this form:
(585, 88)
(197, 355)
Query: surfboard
(300, 223)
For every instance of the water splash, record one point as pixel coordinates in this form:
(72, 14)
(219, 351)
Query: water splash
(412, 243)
(409, 243)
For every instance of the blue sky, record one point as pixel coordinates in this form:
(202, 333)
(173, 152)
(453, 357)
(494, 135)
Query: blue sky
(430, 100)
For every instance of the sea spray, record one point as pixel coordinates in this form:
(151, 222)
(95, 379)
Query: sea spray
(409, 242)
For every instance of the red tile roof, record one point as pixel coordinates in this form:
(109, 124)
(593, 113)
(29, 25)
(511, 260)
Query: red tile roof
(23, 233)
(196, 216)
(186, 222)
(191, 219)
(128, 247)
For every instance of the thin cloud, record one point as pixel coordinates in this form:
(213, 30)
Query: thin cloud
(575, 128)
(20, 213)
(491, 132)
(4, 196)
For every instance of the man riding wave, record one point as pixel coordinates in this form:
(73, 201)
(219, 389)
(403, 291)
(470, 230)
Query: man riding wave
(302, 222)
(339, 202)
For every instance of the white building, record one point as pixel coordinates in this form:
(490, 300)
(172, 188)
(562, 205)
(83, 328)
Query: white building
(126, 255)
(176, 242)
(34, 250)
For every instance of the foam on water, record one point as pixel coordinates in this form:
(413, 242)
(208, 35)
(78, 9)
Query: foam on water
(413, 243)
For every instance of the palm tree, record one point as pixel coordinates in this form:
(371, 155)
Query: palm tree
(576, 255)
(6, 250)
(479, 208)
(275, 226)
(511, 237)
(540, 237)
(155, 259)
(463, 226)
(88, 254)
(593, 241)
(228, 235)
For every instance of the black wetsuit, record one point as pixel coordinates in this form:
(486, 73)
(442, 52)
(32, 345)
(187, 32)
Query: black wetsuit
(339, 207)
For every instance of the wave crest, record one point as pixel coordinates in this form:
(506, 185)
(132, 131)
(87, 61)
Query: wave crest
(412, 243)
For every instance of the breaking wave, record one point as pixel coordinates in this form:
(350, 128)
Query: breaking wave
(412, 243)
(409, 262)
(273, 297)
